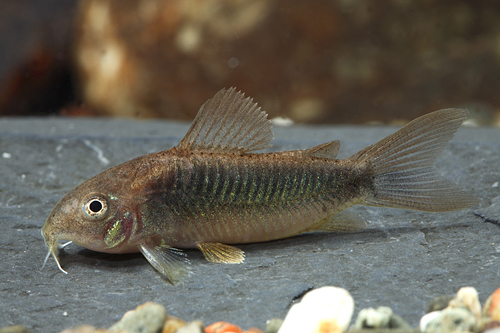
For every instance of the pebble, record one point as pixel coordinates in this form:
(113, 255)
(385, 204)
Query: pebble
(449, 320)
(492, 306)
(493, 330)
(427, 318)
(490, 327)
(467, 298)
(463, 314)
(14, 329)
(146, 318)
(87, 329)
(193, 327)
(223, 327)
(374, 318)
(382, 317)
(253, 330)
(172, 324)
(326, 310)
(273, 325)
(323, 310)
(491, 312)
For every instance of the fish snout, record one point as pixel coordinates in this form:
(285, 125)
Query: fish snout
(52, 244)
(51, 236)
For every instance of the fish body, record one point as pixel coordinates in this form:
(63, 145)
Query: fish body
(244, 199)
(211, 190)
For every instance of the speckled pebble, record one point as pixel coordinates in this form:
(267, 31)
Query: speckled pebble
(146, 318)
(374, 318)
(382, 317)
(449, 320)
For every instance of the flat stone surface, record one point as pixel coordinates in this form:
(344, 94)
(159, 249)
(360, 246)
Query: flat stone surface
(403, 260)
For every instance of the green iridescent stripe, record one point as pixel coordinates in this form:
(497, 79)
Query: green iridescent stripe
(255, 182)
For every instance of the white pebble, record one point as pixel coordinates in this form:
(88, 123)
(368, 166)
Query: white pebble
(327, 309)
(467, 297)
(6, 155)
(495, 184)
(374, 318)
(463, 313)
(427, 318)
(451, 320)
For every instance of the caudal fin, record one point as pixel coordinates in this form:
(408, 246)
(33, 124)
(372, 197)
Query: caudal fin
(403, 165)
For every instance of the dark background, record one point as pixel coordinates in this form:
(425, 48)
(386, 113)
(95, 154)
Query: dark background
(314, 62)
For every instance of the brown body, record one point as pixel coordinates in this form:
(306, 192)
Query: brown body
(243, 199)
(209, 191)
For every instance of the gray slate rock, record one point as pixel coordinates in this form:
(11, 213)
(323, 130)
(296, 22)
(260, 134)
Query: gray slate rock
(402, 260)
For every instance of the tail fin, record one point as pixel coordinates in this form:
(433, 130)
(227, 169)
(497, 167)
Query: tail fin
(403, 165)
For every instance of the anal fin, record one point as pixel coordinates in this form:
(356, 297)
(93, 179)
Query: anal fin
(340, 222)
(221, 253)
(170, 262)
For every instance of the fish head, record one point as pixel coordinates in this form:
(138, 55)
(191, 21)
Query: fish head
(94, 215)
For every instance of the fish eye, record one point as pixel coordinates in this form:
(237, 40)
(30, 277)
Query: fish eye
(95, 207)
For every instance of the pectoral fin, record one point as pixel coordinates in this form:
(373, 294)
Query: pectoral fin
(340, 222)
(221, 253)
(170, 262)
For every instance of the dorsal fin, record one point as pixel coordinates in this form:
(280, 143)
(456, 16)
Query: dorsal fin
(325, 150)
(230, 123)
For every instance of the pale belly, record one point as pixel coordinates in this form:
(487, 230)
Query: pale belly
(237, 225)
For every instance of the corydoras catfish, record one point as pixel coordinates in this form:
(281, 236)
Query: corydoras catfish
(210, 190)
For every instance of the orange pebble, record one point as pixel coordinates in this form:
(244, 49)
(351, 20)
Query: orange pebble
(493, 308)
(223, 327)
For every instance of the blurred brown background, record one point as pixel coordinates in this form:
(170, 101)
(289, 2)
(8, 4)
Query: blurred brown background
(341, 61)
